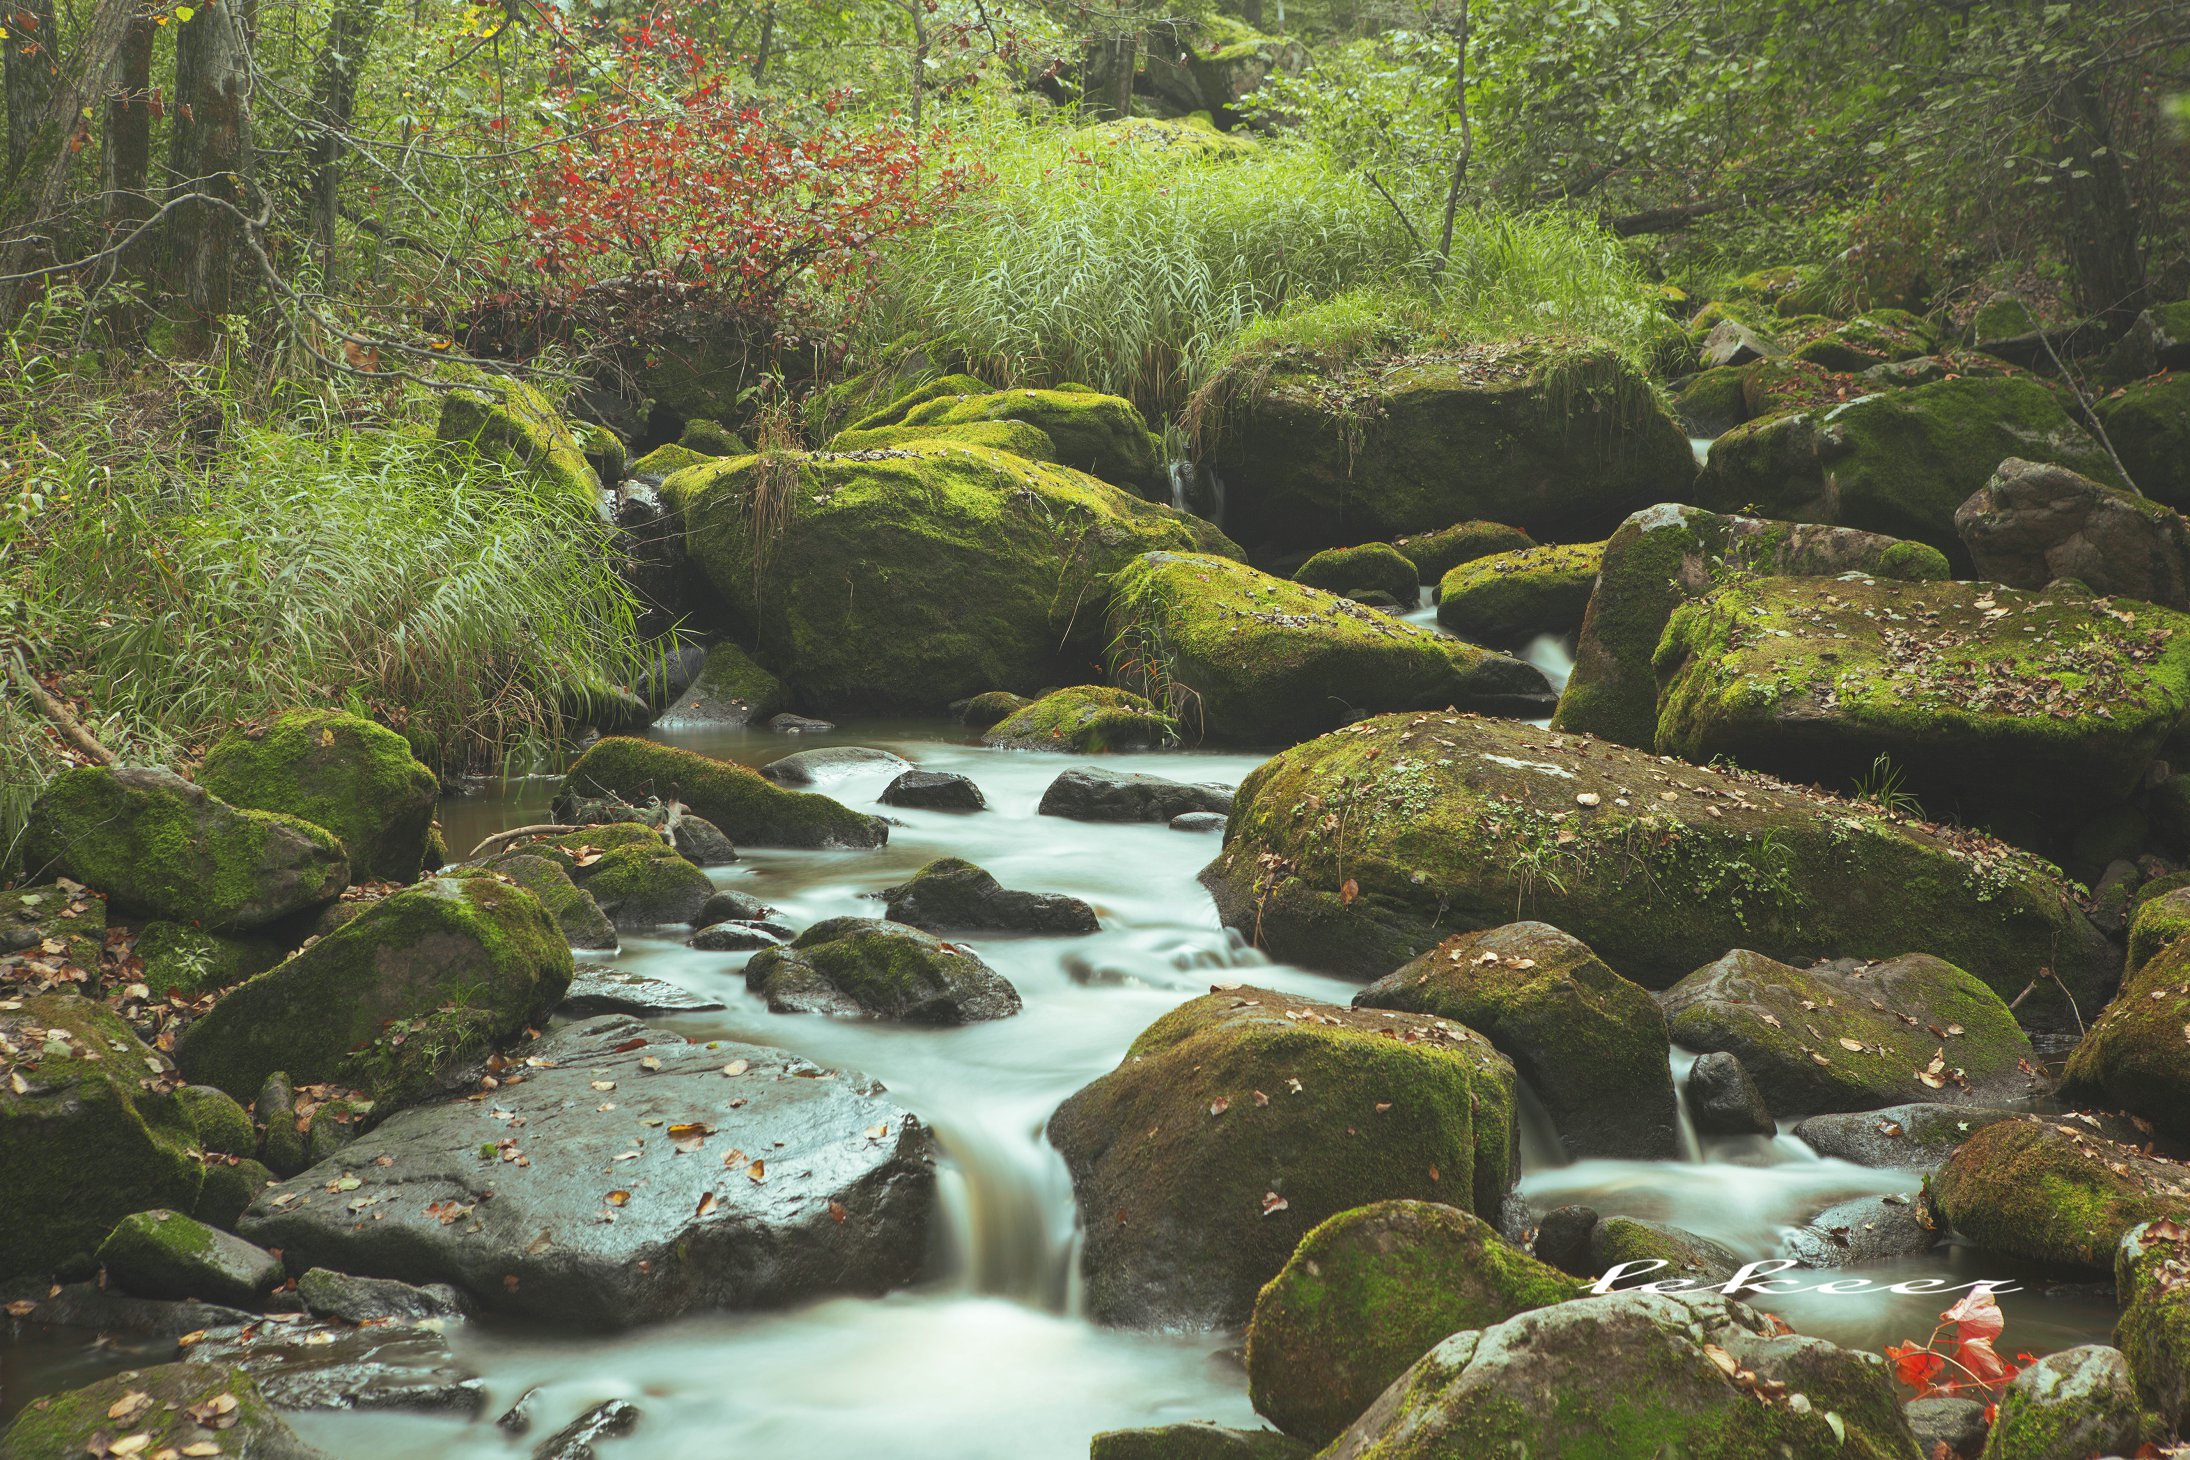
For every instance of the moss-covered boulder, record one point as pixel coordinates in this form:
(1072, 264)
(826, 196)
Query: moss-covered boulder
(1877, 338)
(2137, 1054)
(1667, 554)
(1241, 1120)
(665, 461)
(731, 689)
(2159, 915)
(749, 808)
(1434, 554)
(1627, 1375)
(2042, 1189)
(509, 420)
(164, 1254)
(2033, 523)
(1856, 1036)
(1196, 1440)
(865, 968)
(1102, 435)
(917, 575)
(1252, 659)
(337, 770)
(156, 844)
(1373, 567)
(174, 1409)
(52, 925)
(1592, 1045)
(1899, 461)
(1559, 440)
(644, 884)
(392, 1001)
(577, 916)
(1512, 597)
(2069, 1405)
(1084, 719)
(2152, 1284)
(1013, 438)
(2149, 424)
(182, 959)
(1363, 848)
(1712, 402)
(1366, 1294)
(85, 1136)
(1986, 700)
(1678, 1252)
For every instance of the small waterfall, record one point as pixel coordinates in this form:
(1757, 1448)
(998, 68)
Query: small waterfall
(1197, 489)
(1009, 1220)
(1554, 655)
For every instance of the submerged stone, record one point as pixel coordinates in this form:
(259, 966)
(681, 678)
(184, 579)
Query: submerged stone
(1086, 794)
(952, 893)
(869, 968)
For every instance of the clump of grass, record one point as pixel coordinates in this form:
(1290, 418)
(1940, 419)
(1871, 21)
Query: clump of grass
(1127, 259)
(176, 594)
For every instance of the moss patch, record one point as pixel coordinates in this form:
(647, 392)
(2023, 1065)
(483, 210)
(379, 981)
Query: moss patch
(1434, 554)
(62, 1427)
(337, 770)
(2149, 423)
(749, 808)
(1512, 597)
(2044, 1190)
(1377, 567)
(1084, 719)
(511, 421)
(2137, 1053)
(864, 967)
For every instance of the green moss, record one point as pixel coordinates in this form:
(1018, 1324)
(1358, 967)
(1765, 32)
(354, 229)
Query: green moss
(62, 1426)
(1434, 554)
(2046, 1191)
(866, 967)
(664, 461)
(1374, 566)
(85, 1137)
(1174, 1158)
(1789, 289)
(914, 577)
(1791, 1028)
(1876, 338)
(190, 961)
(603, 448)
(2152, 1284)
(1560, 439)
(576, 914)
(1770, 387)
(1195, 1441)
(1591, 1044)
(337, 770)
(2003, 318)
(223, 1127)
(510, 421)
(645, 885)
(423, 980)
(1913, 562)
(1014, 438)
(895, 412)
(159, 845)
(1085, 719)
(2137, 1053)
(1512, 597)
(982, 711)
(2158, 917)
(746, 806)
(1712, 401)
(712, 438)
(1248, 658)
(732, 688)
(2149, 424)
(1983, 697)
(1366, 1294)
(1102, 435)
(1445, 822)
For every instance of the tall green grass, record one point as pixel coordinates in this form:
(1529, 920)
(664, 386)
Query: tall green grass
(1126, 257)
(314, 565)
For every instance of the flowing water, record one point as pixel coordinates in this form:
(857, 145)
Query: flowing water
(989, 1358)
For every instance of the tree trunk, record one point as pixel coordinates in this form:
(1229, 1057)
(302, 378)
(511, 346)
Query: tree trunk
(127, 166)
(767, 42)
(2098, 215)
(334, 98)
(919, 12)
(1129, 55)
(212, 152)
(31, 204)
(29, 68)
(1467, 145)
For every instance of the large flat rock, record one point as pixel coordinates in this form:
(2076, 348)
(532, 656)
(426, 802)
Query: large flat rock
(629, 1176)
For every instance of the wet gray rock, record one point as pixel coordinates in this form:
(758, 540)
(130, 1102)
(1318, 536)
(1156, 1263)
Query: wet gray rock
(519, 1417)
(165, 1403)
(808, 768)
(950, 894)
(1959, 1424)
(1915, 1137)
(700, 842)
(790, 724)
(1200, 821)
(868, 968)
(87, 1305)
(2033, 523)
(2068, 1406)
(319, 1365)
(612, 991)
(934, 791)
(1724, 1101)
(1562, 1239)
(1856, 1233)
(327, 1294)
(1615, 1240)
(162, 1254)
(1733, 343)
(1084, 794)
(803, 1182)
(730, 905)
(575, 1441)
(734, 938)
